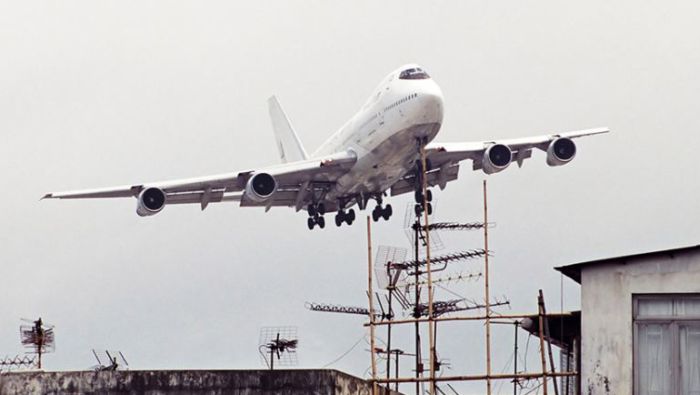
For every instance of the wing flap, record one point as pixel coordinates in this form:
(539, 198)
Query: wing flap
(438, 177)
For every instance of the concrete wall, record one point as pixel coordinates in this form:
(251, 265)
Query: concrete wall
(606, 314)
(211, 382)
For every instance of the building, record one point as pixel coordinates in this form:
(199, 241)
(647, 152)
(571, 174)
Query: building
(210, 382)
(640, 323)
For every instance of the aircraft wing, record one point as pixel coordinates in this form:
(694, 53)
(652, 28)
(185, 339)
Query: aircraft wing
(444, 158)
(293, 181)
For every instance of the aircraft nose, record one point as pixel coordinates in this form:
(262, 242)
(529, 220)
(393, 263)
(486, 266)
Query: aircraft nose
(431, 104)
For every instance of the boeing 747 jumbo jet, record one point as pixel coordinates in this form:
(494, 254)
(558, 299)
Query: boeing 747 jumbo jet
(376, 152)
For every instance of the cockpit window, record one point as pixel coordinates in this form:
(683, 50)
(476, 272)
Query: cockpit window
(413, 74)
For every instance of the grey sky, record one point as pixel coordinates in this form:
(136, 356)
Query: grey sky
(107, 93)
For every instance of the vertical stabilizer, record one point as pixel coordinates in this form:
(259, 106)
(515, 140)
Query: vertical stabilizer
(291, 149)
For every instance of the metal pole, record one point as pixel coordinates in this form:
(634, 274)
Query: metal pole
(370, 294)
(540, 312)
(390, 316)
(397, 369)
(515, 358)
(549, 344)
(431, 340)
(416, 313)
(568, 368)
(487, 294)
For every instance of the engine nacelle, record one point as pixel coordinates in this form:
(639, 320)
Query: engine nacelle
(150, 202)
(560, 151)
(260, 187)
(496, 158)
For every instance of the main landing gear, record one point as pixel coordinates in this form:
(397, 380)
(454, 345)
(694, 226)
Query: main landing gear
(381, 212)
(344, 216)
(317, 211)
(316, 216)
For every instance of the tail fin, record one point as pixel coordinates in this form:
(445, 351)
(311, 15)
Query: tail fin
(288, 142)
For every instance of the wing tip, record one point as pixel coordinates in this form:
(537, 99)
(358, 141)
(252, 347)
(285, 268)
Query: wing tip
(47, 196)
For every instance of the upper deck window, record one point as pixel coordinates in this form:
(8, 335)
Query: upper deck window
(413, 74)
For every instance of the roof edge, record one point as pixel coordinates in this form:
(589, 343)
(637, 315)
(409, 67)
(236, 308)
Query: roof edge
(573, 271)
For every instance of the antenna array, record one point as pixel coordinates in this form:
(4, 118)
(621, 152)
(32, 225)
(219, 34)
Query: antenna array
(278, 343)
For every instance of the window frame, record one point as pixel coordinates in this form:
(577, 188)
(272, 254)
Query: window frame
(674, 322)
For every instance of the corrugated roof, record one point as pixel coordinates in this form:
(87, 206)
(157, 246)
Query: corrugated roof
(573, 271)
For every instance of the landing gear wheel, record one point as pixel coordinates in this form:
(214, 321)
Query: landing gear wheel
(386, 213)
(321, 222)
(418, 209)
(310, 223)
(430, 209)
(429, 195)
(321, 209)
(339, 219)
(376, 214)
(311, 209)
(418, 196)
(350, 217)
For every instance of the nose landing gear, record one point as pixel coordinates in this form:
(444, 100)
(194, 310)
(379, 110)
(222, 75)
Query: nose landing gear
(418, 195)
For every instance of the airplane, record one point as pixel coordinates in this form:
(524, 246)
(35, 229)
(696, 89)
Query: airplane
(374, 154)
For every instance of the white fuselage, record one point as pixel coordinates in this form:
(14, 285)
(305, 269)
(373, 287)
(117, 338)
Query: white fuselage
(384, 134)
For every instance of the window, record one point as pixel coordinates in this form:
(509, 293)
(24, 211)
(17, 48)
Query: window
(667, 344)
(413, 74)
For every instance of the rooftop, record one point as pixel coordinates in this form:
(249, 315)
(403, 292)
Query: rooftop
(573, 271)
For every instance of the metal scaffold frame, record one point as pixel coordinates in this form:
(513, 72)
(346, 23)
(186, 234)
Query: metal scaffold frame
(424, 268)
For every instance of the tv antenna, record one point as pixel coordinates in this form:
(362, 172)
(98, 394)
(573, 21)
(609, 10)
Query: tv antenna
(38, 337)
(114, 364)
(389, 277)
(278, 342)
(412, 222)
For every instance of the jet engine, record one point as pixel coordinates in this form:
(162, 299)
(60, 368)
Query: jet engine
(260, 187)
(561, 151)
(151, 201)
(496, 158)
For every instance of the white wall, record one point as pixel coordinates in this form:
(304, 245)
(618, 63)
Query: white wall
(606, 317)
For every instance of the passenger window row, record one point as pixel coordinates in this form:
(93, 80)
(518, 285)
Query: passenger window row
(404, 100)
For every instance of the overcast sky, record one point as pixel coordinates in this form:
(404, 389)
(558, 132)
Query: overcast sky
(107, 93)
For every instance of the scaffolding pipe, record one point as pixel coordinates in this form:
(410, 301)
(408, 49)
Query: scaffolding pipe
(431, 339)
(466, 318)
(540, 312)
(487, 296)
(482, 377)
(371, 306)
